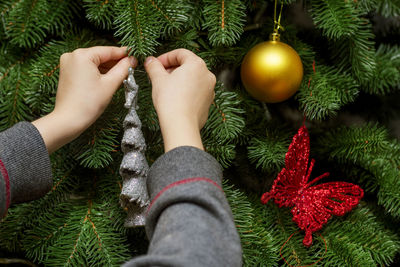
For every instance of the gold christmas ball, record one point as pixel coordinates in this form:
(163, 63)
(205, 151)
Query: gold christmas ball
(272, 71)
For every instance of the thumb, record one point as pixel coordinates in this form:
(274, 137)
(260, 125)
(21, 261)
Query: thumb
(154, 68)
(118, 73)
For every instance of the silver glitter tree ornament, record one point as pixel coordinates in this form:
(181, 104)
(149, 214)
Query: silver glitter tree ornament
(134, 197)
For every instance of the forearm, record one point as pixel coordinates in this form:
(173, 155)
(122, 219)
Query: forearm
(57, 130)
(180, 132)
(24, 164)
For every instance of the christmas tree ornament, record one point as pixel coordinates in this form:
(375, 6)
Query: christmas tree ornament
(272, 71)
(134, 168)
(312, 206)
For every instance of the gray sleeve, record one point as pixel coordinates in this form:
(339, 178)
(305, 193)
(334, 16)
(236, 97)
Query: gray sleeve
(25, 168)
(189, 221)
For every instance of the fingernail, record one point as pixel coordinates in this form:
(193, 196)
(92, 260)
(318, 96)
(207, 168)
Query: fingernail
(148, 60)
(133, 61)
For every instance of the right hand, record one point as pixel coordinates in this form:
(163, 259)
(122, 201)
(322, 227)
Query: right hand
(183, 90)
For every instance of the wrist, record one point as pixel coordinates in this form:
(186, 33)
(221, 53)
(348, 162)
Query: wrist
(57, 130)
(180, 132)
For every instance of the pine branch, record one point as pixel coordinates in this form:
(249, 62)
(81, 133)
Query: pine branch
(268, 152)
(369, 148)
(336, 19)
(325, 91)
(137, 27)
(224, 126)
(85, 229)
(101, 13)
(279, 220)
(174, 14)
(25, 217)
(389, 8)
(30, 21)
(357, 53)
(344, 24)
(141, 22)
(216, 56)
(386, 77)
(13, 76)
(259, 248)
(224, 21)
(348, 245)
(223, 153)
(225, 121)
(366, 7)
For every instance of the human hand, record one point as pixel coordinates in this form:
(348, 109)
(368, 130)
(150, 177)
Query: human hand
(183, 90)
(88, 79)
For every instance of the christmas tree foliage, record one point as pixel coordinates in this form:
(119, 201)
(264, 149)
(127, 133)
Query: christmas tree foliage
(350, 52)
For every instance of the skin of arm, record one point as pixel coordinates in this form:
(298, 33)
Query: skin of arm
(88, 79)
(182, 92)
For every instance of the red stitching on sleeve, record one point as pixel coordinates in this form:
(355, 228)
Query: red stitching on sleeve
(184, 181)
(4, 172)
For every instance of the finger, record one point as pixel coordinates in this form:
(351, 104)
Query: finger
(106, 66)
(169, 70)
(154, 68)
(176, 57)
(114, 77)
(102, 54)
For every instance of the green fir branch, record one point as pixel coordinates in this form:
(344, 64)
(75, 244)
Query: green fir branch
(325, 91)
(279, 220)
(348, 246)
(27, 217)
(224, 20)
(224, 126)
(356, 54)
(187, 40)
(258, 245)
(141, 22)
(223, 153)
(173, 14)
(389, 8)
(101, 13)
(30, 21)
(268, 152)
(386, 77)
(85, 229)
(14, 67)
(225, 121)
(336, 19)
(366, 6)
(137, 26)
(351, 144)
(370, 149)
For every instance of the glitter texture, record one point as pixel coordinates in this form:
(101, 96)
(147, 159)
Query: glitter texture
(313, 206)
(134, 168)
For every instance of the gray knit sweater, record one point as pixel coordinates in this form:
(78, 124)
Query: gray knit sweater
(189, 221)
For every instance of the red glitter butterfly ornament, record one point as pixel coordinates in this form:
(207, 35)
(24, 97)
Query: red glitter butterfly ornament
(313, 206)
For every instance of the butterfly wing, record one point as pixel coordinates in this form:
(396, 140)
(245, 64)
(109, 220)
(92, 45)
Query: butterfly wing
(317, 204)
(291, 177)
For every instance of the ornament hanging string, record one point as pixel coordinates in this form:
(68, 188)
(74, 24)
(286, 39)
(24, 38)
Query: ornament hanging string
(277, 23)
(326, 249)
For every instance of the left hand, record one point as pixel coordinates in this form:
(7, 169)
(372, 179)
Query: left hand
(89, 77)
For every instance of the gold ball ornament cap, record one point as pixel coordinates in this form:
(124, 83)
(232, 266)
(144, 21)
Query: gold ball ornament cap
(272, 71)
